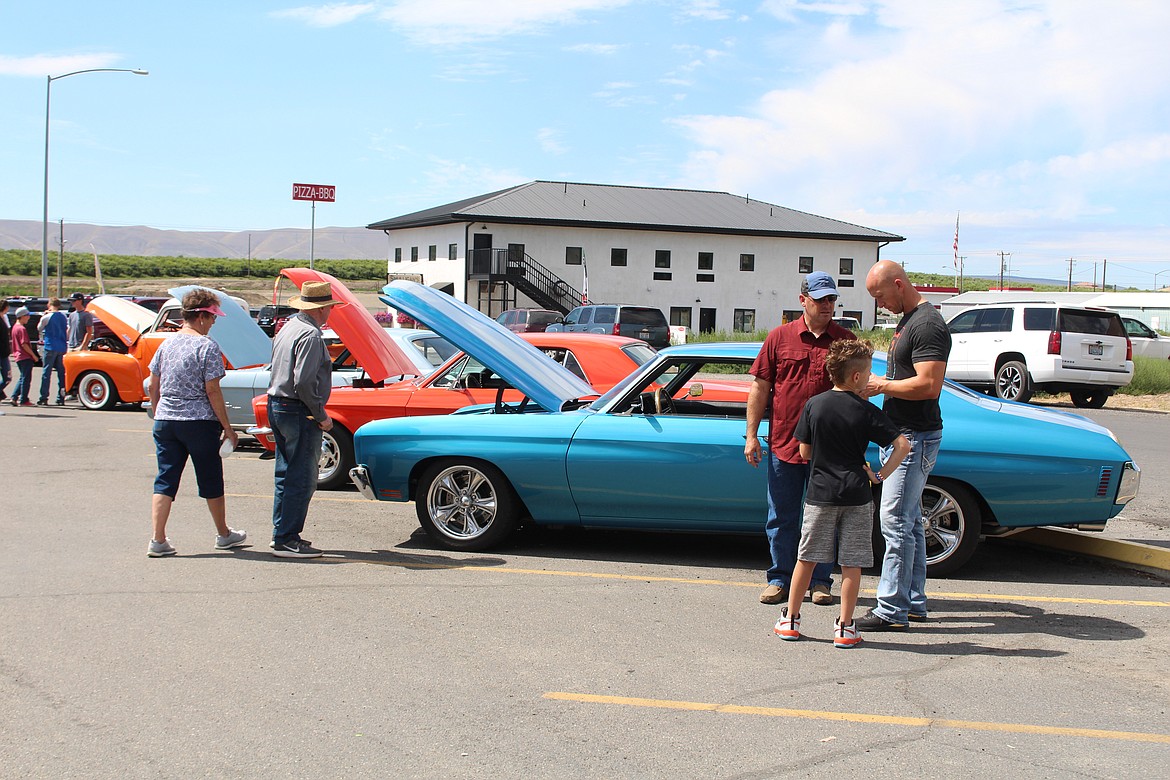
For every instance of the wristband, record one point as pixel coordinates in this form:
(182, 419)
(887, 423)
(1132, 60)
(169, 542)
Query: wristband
(878, 476)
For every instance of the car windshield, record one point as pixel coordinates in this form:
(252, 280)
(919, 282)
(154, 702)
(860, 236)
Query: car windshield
(641, 353)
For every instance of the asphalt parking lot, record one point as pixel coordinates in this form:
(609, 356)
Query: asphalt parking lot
(567, 654)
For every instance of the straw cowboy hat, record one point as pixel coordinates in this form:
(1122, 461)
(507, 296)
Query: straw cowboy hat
(315, 295)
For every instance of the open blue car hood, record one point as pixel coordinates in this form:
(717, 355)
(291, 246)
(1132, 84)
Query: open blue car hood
(524, 366)
(237, 334)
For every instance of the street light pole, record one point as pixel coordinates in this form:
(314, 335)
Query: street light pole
(45, 217)
(1159, 273)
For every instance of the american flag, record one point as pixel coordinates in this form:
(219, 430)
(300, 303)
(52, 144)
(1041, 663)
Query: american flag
(956, 241)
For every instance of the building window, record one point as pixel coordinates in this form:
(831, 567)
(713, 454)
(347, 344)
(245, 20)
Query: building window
(617, 257)
(663, 276)
(805, 266)
(452, 251)
(847, 266)
(432, 252)
(704, 277)
(414, 254)
(744, 321)
(844, 282)
(706, 261)
(790, 315)
(662, 258)
(398, 254)
(747, 262)
(680, 315)
(573, 255)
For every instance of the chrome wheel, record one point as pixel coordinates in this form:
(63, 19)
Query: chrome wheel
(466, 505)
(952, 522)
(1012, 382)
(336, 458)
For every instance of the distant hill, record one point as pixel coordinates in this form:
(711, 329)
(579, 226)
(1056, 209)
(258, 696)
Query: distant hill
(330, 243)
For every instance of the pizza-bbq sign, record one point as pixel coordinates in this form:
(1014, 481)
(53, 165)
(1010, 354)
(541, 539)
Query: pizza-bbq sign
(327, 193)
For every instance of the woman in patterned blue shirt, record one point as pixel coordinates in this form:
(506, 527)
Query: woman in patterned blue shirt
(189, 416)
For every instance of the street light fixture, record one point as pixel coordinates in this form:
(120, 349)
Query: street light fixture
(45, 218)
(1159, 273)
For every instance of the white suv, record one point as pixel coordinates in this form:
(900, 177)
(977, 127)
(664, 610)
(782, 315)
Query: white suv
(1017, 348)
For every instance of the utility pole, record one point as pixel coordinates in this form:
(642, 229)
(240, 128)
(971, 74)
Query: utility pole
(1104, 268)
(1070, 266)
(959, 281)
(1002, 262)
(60, 254)
(1094, 276)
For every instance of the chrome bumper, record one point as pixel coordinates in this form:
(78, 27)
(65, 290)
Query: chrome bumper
(361, 480)
(256, 430)
(1127, 486)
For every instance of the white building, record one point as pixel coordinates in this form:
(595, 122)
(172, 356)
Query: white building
(709, 260)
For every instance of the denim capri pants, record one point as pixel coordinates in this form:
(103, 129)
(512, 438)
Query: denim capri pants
(174, 441)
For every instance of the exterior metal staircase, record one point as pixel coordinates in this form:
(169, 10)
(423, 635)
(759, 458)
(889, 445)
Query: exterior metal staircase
(527, 275)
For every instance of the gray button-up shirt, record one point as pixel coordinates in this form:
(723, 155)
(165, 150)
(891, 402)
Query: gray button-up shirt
(301, 366)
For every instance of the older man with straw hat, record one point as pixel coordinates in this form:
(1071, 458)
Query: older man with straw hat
(297, 393)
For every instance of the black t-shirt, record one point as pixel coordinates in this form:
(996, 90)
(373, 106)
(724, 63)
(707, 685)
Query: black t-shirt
(839, 425)
(920, 337)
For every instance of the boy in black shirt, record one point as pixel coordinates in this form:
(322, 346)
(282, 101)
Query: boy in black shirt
(834, 431)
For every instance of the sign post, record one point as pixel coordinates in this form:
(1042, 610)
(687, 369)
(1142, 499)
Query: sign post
(314, 192)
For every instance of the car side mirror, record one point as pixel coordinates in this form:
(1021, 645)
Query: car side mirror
(647, 402)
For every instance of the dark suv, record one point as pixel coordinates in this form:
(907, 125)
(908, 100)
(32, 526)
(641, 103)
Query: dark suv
(529, 320)
(636, 322)
(269, 314)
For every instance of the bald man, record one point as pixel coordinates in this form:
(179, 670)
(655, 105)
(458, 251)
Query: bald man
(915, 365)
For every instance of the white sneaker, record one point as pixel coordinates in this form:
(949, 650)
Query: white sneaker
(160, 549)
(233, 539)
(787, 627)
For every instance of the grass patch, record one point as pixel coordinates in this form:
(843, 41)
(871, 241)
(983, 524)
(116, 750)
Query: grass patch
(1151, 376)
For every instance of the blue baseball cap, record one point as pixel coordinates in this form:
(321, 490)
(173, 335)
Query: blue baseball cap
(817, 285)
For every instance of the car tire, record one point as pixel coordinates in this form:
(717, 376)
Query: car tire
(953, 523)
(466, 505)
(1012, 382)
(96, 391)
(336, 458)
(1089, 399)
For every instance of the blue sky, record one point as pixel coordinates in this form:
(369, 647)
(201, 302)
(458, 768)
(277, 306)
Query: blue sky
(1044, 125)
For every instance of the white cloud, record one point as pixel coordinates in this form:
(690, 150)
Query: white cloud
(1030, 107)
(707, 10)
(603, 49)
(448, 22)
(330, 15)
(550, 140)
(54, 64)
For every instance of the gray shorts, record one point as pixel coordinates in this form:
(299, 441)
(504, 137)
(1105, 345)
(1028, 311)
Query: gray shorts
(844, 529)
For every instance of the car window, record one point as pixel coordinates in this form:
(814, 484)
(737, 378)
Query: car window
(572, 317)
(436, 349)
(543, 317)
(604, 315)
(994, 321)
(639, 315)
(504, 318)
(641, 353)
(1095, 323)
(964, 323)
(1138, 329)
(565, 358)
(586, 316)
(1039, 319)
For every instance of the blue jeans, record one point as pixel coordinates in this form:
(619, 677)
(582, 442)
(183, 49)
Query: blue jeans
(24, 382)
(174, 442)
(786, 484)
(902, 586)
(298, 450)
(5, 373)
(53, 361)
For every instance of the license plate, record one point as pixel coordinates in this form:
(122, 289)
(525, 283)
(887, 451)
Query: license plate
(644, 335)
(1096, 349)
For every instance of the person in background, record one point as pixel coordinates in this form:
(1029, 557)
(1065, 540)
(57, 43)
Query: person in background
(54, 329)
(915, 365)
(297, 392)
(789, 370)
(80, 323)
(25, 356)
(5, 349)
(189, 415)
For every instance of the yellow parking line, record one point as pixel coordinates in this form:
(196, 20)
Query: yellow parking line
(858, 717)
(316, 497)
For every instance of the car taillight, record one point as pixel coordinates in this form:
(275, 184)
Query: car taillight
(617, 329)
(1054, 343)
(1128, 349)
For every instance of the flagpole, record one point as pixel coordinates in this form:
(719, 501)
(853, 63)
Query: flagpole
(958, 270)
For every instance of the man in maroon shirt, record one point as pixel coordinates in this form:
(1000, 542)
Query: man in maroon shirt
(789, 370)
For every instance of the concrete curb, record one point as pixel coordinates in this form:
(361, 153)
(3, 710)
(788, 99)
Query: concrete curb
(1147, 557)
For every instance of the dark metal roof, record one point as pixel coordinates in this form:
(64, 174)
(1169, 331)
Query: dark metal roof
(635, 208)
